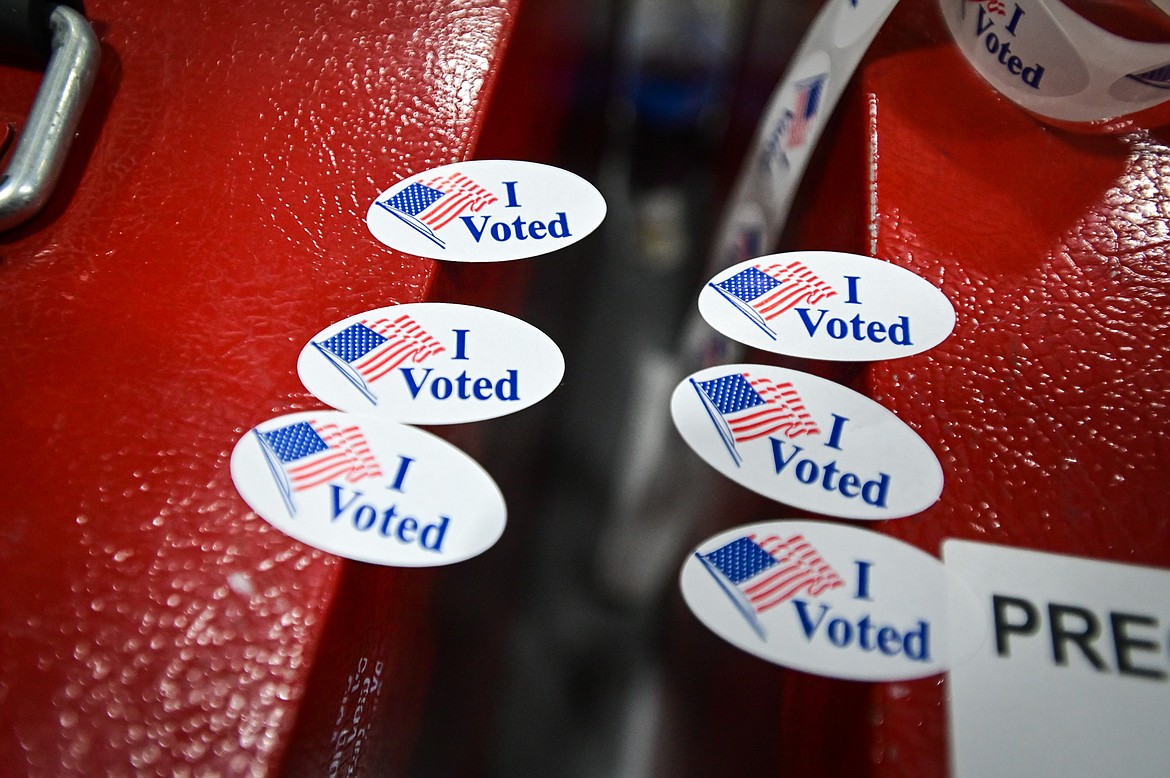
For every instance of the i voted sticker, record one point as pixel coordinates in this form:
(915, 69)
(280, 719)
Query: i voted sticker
(833, 600)
(827, 305)
(368, 489)
(806, 442)
(486, 211)
(431, 363)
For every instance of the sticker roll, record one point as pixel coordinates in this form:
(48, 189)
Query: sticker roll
(1055, 63)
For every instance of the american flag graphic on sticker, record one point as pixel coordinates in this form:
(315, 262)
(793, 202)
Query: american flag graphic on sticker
(367, 350)
(308, 454)
(430, 205)
(759, 573)
(743, 408)
(804, 112)
(763, 292)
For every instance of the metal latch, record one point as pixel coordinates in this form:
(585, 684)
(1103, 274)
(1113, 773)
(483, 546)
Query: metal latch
(40, 151)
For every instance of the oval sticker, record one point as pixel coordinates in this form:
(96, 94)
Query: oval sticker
(806, 442)
(833, 600)
(827, 305)
(486, 211)
(431, 363)
(368, 489)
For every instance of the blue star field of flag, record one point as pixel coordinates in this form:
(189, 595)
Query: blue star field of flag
(740, 560)
(353, 342)
(731, 393)
(295, 441)
(414, 199)
(749, 284)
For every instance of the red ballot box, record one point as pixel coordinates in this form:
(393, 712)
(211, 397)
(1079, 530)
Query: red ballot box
(209, 221)
(1047, 405)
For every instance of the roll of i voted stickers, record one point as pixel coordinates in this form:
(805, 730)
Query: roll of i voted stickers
(431, 363)
(486, 211)
(833, 600)
(368, 489)
(1053, 62)
(793, 120)
(806, 442)
(827, 305)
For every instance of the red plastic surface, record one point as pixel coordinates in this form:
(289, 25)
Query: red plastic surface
(1048, 406)
(211, 220)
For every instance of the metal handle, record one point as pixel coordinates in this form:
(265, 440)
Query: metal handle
(41, 149)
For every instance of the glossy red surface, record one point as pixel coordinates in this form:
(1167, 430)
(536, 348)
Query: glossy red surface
(1049, 406)
(212, 219)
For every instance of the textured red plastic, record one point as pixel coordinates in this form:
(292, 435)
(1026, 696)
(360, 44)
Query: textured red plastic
(1048, 406)
(211, 221)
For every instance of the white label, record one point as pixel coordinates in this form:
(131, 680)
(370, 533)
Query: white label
(827, 305)
(1073, 680)
(806, 442)
(431, 363)
(368, 489)
(486, 211)
(829, 599)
